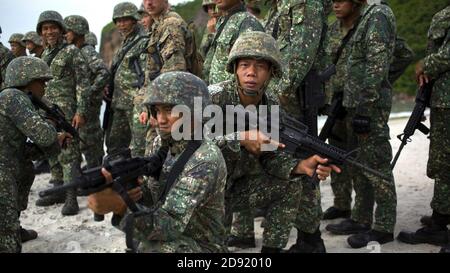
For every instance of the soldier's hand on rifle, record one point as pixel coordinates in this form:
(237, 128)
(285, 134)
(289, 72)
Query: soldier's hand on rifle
(143, 118)
(64, 139)
(78, 121)
(316, 164)
(253, 140)
(421, 78)
(212, 25)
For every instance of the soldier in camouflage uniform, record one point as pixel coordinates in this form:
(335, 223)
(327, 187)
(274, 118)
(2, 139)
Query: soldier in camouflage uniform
(124, 130)
(34, 44)
(234, 21)
(253, 182)
(145, 20)
(368, 102)
(20, 121)
(91, 39)
(69, 89)
(298, 27)
(170, 49)
(92, 147)
(209, 6)
(6, 57)
(190, 220)
(436, 67)
(18, 47)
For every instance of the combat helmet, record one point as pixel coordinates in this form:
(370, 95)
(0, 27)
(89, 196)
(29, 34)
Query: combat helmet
(78, 24)
(33, 37)
(17, 38)
(23, 70)
(207, 3)
(259, 45)
(124, 10)
(91, 39)
(177, 88)
(50, 16)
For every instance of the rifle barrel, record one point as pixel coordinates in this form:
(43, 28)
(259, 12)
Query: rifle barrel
(369, 170)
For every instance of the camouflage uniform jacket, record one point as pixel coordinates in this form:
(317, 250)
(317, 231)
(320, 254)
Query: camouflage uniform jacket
(20, 121)
(437, 61)
(371, 53)
(239, 161)
(297, 26)
(6, 57)
(214, 70)
(194, 207)
(206, 43)
(69, 87)
(99, 74)
(126, 77)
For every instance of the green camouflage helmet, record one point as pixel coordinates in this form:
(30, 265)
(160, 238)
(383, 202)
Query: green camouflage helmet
(259, 45)
(17, 38)
(78, 24)
(177, 88)
(50, 16)
(32, 36)
(207, 3)
(126, 9)
(91, 39)
(23, 70)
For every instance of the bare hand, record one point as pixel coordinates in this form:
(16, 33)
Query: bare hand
(253, 141)
(421, 78)
(318, 165)
(78, 121)
(64, 139)
(143, 118)
(212, 25)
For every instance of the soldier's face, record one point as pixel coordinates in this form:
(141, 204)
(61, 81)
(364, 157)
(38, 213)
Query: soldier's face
(155, 7)
(17, 49)
(343, 9)
(51, 33)
(212, 11)
(145, 21)
(37, 88)
(226, 4)
(253, 74)
(70, 37)
(30, 46)
(164, 118)
(125, 25)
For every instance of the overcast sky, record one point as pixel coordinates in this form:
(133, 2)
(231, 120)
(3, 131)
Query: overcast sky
(20, 16)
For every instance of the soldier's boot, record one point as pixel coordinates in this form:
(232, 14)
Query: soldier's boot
(71, 205)
(41, 167)
(446, 249)
(270, 250)
(27, 235)
(363, 239)
(435, 234)
(348, 227)
(308, 243)
(428, 220)
(52, 199)
(335, 213)
(242, 243)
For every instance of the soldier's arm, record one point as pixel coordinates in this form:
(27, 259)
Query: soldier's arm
(101, 72)
(403, 57)
(80, 67)
(379, 41)
(304, 43)
(439, 62)
(173, 47)
(279, 164)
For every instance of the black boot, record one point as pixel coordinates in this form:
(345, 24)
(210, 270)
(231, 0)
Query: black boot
(41, 167)
(52, 199)
(363, 239)
(71, 205)
(242, 243)
(426, 221)
(308, 243)
(435, 234)
(27, 235)
(270, 250)
(348, 227)
(334, 213)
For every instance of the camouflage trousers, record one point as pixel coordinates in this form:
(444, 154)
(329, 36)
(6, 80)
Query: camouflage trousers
(92, 134)
(309, 213)
(375, 151)
(14, 190)
(341, 184)
(439, 162)
(125, 132)
(280, 198)
(181, 245)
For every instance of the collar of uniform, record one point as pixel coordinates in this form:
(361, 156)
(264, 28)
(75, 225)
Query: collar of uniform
(236, 9)
(264, 99)
(59, 45)
(160, 17)
(132, 34)
(177, 147)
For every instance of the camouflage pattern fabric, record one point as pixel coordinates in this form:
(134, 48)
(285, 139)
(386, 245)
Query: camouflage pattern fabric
(91, 39)
(33, 37)
(6, 57)
(255, 184)
(206, 43)
(216, 59)
(19, 121)
(92, 132)
(403, 57)
(17, 38)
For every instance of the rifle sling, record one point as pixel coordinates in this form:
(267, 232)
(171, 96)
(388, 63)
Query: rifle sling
(175, 172)
(54, 54)
(122, 55)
